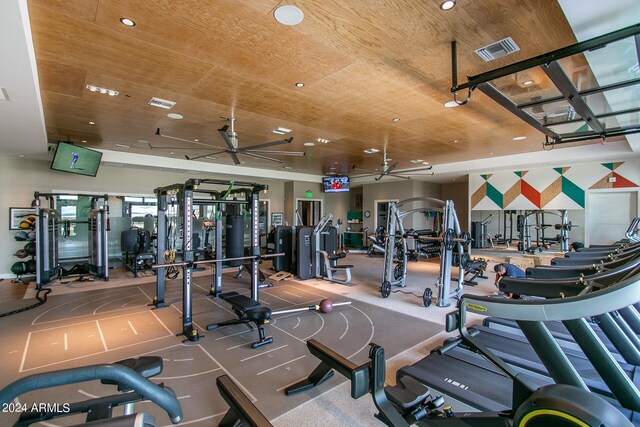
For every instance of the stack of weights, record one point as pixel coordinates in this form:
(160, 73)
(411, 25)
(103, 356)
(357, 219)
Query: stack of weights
(26, 234)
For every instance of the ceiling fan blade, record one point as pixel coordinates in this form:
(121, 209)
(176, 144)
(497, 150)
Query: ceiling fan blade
(204, 155)
(257, 156)
(281, 153)
(392, 167)
(427, 168)
(234, 156)
(399, 176)
(223, 134)
(180, 139)
(267, 144)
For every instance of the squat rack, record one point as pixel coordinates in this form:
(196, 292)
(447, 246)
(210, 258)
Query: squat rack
(183, 195)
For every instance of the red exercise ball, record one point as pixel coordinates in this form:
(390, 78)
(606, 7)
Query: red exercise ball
(326, 306)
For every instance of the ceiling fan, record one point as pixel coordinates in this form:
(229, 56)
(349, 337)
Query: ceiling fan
(388, 170)
(230, 137)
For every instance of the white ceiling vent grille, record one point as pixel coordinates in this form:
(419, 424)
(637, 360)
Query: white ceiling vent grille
(497, 49)
(162, 103)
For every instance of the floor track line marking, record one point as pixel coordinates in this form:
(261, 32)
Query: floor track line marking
(144, 293)
(65, 303)
(187, 376)
(347, 328)
(66, 342)
(100, 352)
(304, 290)
(282, 364)
(238, 383)
(90, 315)
(92, 396)
(24, 353)
(232, 335)
(239, 345)
(107, 303)
(291, 293)
(318, 330)
(160, 321)
(372, 331)
(132, 328)
(104, 342)
(198, 326)
(71, 325)
(263, 353)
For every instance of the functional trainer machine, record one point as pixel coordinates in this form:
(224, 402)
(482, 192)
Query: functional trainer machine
(449, 238)
(182, 195)
(47, 234)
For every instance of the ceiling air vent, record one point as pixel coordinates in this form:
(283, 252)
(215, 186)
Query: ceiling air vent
(162, 103)
(498, 49)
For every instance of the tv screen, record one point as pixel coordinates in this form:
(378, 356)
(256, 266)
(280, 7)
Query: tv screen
(335, 184)
(74, 159)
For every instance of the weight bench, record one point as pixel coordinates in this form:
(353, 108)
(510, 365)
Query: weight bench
(476, 267)
(331, 267)
(248, 311)
(401, 405)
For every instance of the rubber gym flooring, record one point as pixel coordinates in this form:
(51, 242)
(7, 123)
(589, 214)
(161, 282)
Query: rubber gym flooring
(107, 325)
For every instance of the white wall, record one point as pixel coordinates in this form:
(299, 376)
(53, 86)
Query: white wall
(19, 178)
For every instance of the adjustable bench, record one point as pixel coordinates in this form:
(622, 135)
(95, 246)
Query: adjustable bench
(248, 311)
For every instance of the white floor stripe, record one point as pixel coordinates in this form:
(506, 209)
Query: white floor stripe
(104, 343)
(187, 376)
(66, 342)
(347, 328)
(282, 364)
(264, 352)
(132, 328)
(24, 353)
(243, 388)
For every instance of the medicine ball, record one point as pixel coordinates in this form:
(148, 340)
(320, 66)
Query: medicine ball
(28, 222)
(31, 266)
(32, 235)
(30, 248)
(21, 236)
(21, 253)
(19, 268)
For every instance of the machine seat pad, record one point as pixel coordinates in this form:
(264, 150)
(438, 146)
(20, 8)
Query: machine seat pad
(147, 366)
(477, 265)
(259, 314)
(335, 257)
(407, 393)
(341, 266)
(242, 302)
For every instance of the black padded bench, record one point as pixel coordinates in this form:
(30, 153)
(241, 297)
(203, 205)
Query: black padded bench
(248, 311)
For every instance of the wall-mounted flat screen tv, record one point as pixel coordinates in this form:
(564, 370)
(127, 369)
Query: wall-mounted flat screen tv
(75, 159)
(335, 184)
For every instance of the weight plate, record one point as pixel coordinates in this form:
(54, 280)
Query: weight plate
(385, 289)
(398, 271)
(426, 297)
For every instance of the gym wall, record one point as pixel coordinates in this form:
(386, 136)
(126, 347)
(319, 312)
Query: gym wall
(399, 190)
(19, 178)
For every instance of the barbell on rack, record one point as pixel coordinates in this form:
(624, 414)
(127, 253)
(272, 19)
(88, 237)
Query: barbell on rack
(448, 238)
(212, 261)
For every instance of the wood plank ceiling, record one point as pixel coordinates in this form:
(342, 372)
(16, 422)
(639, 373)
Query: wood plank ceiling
(363, 62)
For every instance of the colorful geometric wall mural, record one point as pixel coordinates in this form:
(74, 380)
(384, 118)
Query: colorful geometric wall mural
(549, 188)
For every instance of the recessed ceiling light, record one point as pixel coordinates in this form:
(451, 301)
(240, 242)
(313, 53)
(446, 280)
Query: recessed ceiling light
(103, 90)
(209, 157)
(196, 140)
(299, 84)
(491, 153)
(175, 116)
(455, 140)
(416, 161)
(323, 140)
(396, 119)
(21, 155)
(172, 153)
(451, 104)
(84, 140)
(162, 103)
(128, 22)
(288, 15)
(425, 163)
(371, 150)
(309, 144)
(287, 167)
(519, 138)
(143, 141)
(527, 82)
(121, 146)
(92, 123)
(447, 4)
(281, 131)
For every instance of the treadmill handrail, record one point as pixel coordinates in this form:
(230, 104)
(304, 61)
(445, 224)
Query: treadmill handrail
(118, 373)
(598, 302)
